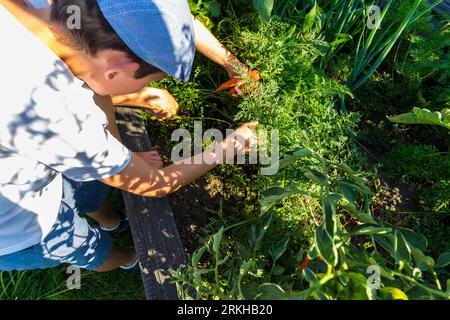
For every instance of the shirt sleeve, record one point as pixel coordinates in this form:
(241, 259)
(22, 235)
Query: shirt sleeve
(66, 131)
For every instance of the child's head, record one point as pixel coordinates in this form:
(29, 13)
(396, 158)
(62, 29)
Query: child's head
(113, 68)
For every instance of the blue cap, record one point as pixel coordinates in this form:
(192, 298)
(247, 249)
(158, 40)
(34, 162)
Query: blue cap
(160, 32)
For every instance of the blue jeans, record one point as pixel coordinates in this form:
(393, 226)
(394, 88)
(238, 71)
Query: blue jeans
(71, 240)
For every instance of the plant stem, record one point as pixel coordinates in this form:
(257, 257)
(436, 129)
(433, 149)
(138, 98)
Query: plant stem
(433, 291)
(436, 279)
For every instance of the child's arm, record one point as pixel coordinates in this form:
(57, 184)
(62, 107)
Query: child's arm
(159, 102)
(142, 179)
(210, 47)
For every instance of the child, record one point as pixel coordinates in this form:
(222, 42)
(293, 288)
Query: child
(159, 102)
(58, 150)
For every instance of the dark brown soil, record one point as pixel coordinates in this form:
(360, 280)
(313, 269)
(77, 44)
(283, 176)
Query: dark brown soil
(190, 207)
(396, 201)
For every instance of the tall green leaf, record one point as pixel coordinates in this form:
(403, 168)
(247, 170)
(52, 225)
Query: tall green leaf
(402, 251)
(290, 157)
(277, 250)
(329, 213)
(326, 246)
(264, 8)
(217, 239)
(310, 18)
(368, 230)
(272, 195)
(257, 232)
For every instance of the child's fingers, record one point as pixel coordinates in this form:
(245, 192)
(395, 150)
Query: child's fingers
(251, 125)
(152, 158)
(155, 164)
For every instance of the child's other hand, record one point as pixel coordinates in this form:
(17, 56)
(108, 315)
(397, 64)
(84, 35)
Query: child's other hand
(152, 158)
(159, 102)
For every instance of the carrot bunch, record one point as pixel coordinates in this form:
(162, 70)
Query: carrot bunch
(239, 87)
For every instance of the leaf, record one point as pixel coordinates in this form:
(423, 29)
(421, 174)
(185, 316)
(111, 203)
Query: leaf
(244, 269)
(299, 295)
(264, 8)
(213, 8)
(277, 250)
(386, 241)
(315, 176)
(419, 293)
(309, 275)
(290, 157)
(270, 291)
(217, 239)
(258, 232)
(402, 252)
(278, 270)
(443, 260)
(390, 293)
(367, 230)
(326, 247)
(358, 287)
(341, 38)
(343, 279)
(197, 255)
(243, 249)
(423, 262)
(329, 212)
(357, 186)
(424, 116)
(313, 253)
(349, 193)
(310, 18)
(273, 195)
(415, 239)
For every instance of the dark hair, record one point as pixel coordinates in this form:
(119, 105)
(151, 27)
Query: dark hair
(95, 33)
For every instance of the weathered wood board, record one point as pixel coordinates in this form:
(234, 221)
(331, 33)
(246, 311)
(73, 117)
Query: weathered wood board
(152, 223)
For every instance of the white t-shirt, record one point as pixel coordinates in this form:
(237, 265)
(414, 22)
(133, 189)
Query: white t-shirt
(49, 126)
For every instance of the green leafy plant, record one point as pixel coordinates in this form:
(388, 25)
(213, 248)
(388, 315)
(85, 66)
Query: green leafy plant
(417, 162)
(336, 265)
(315, 237)
(426, 58)
(205, 10)
(437, 198)
(424, 116)
(403, 256)
(374, 45)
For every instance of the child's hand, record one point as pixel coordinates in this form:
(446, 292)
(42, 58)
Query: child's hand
(235, 68)
(152, 158)
(159, 102)
(241, 86)
(242, 139)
